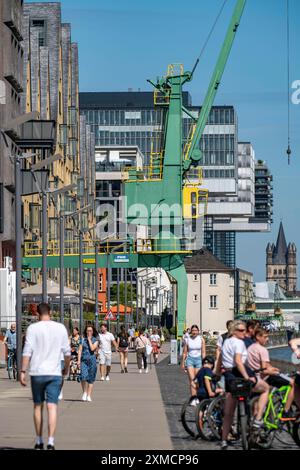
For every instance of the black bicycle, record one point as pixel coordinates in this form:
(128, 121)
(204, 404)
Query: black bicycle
(12, 364)
(188, 416)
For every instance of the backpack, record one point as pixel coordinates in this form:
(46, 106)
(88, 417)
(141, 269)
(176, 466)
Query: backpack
(123, 342)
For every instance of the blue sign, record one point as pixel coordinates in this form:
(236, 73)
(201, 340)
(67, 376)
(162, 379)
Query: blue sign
(121, 259)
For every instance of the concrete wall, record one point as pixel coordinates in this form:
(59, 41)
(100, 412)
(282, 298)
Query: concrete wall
(198, 309)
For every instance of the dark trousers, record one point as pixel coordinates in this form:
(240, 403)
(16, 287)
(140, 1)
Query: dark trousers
(141, 357)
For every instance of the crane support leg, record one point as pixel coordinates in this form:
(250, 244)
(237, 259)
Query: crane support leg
(179, 274)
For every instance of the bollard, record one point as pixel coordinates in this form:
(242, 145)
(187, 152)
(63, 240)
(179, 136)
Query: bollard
(173, 353)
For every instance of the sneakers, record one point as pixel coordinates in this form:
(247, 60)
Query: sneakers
(146, 370)
(39, 447)
(88, 398)
(84, 397)
(102, 378)
(224, 445)
(140, 371)
(122, 371)
(257, 424)
(60, 396)
(50, 447)
(126, 370)
(107, 378)
(194, 402)
(288, 416)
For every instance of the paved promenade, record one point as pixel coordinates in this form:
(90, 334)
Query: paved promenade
(126, 413)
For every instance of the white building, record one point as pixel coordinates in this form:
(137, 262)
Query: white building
(210, 301)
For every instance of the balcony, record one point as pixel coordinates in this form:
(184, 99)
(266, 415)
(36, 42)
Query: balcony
(12, 17)
(37, 135)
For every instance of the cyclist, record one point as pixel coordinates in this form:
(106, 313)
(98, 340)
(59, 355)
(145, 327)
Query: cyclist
(295, 346)
(233, 359)
(193, 352)
(10, 340)
(204, 382)
(258, 358)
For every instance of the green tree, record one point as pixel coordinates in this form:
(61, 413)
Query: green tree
(114, 295)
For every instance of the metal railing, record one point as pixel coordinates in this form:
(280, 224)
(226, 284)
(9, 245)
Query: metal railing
(141, 245)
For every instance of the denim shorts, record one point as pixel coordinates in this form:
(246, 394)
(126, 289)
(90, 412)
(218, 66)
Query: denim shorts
(194, 362)
(45, 388)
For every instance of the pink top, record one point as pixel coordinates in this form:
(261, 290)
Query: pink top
(256, 355)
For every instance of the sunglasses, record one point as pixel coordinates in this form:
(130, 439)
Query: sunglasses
(241, 331)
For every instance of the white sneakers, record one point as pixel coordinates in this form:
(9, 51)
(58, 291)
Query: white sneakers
(146, 370)
(86, 397)
(102, 378)
(60, 396)
(140, 371)
(107, 378)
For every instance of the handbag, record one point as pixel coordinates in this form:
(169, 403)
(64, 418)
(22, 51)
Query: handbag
(148, 349)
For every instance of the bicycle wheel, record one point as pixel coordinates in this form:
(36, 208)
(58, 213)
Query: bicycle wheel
(296, 432)
(215, 415)
(243, 419)
(202, 423)
(9, 367)
(188, 417)
(263, 438)
(284, 430)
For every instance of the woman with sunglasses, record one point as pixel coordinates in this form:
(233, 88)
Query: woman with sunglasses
(193, 352)
(234, 357)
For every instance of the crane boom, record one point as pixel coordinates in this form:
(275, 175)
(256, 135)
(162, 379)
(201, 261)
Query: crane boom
(193, 155)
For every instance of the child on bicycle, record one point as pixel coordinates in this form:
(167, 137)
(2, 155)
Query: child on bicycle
(205, 381)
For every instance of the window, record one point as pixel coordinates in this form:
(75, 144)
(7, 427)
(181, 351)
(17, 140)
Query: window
(275, 272)
(101, 283)
(280, 271)
(34, 210)
(213, 301)
(40, 26)
(195, 277)
(213, 279)
(195, 298)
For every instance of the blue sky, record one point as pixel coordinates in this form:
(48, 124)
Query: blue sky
(122, 43)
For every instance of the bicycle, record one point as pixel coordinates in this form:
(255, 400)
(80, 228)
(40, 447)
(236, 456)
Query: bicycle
(273, 427)
(188, 417)
(11, 364)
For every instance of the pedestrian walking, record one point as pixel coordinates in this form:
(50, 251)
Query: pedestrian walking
(123, 345)
(10, 340)
(44, 344)
(75, 342)
(140, 345)
(106, 339)
(87, 361)
(131, 336)
(155, 343)
(193, 352)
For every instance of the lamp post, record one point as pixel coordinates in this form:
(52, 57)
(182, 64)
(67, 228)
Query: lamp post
(96, 286)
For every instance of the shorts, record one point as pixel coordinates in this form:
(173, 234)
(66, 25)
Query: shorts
(277, 381)
(195, 362)
(234, 373)
(297, 379)
(123, 350)
(45, 388)
(105, 358)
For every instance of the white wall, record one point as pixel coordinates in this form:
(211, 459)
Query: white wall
(199, 311)
(7, 297)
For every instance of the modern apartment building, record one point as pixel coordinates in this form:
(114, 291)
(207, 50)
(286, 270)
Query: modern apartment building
(11, 87)
(130, 118)
(51, 87)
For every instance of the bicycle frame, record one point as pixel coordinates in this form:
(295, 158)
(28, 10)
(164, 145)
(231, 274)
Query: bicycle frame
(271, 418)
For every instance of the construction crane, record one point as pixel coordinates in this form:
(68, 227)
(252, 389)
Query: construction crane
(163, 184)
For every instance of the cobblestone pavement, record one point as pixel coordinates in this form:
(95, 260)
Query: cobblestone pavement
(175, 391)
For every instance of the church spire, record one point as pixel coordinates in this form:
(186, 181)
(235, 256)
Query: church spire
(281, 247)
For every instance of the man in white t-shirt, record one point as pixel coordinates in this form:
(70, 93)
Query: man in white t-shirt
(45, 342)
(106, 339)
